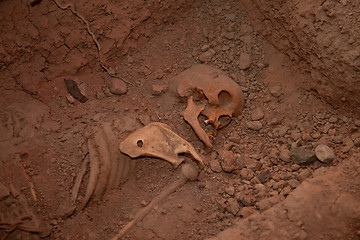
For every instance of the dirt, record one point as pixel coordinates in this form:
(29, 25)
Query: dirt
(296, 62)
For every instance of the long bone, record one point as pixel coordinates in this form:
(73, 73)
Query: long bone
(189, 172)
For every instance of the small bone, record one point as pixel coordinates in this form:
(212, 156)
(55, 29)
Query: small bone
(157, 140)
(189, 172)
(191, 115)
(79, 177)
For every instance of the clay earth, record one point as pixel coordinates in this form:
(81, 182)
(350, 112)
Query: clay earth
(67, 68)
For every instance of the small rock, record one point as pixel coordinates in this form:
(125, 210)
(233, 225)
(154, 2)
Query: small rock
(295, 135)
(228, 160)
(264, 176)
(4, 192)
(266, 203)
(324, 153)
(100, 95)
(357, 122)
(276, 90)
(246, 174)
(260, 188)
(304, 175)
(230, 190)
(320, 171)
(257, 114)
(117, 86)
(286, 191)
(254, 125)
(246, 199)
(233, 206)
(333, 119)
(215, 166)
(247, 211)
(302, 155)
(70, 99)
(205, 47)
(295, 167)
(284, 155)
(144, 203)
(158, 89)
(207, 56)
(244, 61)
(230, 17)
(293, 183)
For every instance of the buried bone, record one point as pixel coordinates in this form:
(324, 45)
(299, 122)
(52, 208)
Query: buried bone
(157, 140)
(108, 167)
(189, 172)
(221, 97)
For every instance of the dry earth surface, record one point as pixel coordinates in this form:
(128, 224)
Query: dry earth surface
(297, 63)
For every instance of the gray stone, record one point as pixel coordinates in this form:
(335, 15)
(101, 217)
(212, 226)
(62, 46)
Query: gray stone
(302, 155)
(257, 114)
(264, 176)
(324, 153)
(244, 61)
(254, 125)
(117, 86)
(215, 166)
(233, 206)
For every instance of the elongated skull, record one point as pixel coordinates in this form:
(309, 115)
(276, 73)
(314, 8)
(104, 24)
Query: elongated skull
(221, 98)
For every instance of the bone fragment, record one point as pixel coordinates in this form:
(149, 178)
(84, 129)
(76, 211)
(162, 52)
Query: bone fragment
(114, 152)
(189, 171)
(191, 115)
(157, 140)
(94, 174)
(79, 177)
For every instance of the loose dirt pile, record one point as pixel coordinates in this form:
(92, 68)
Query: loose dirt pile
(260, 159)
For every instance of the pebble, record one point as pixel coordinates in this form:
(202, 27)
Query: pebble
(207, 56)
(324, 153)
(254, 125)
(244, 61)
(246, 199)
(230, 190)
(70, 99)
(158, 89)
(333, 119)
(284, 155)
(302, 155)
(264, 176)
(215, 166)
(228, 161)
(233, 206)
(117, 86)
(275, 90)
(246, 174)
(266, 203)
(320, 171)
(295, 135)
(205, 47)
(293, 183)
(247, 211)
(257, 114)
(304, 175)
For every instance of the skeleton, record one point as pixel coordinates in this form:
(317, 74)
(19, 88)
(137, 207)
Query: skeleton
(221, 98)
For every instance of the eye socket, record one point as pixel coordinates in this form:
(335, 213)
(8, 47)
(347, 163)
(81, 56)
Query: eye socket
(224, 121)
(225, 100)
(140, 143)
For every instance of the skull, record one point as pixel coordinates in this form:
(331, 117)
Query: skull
(219, 96)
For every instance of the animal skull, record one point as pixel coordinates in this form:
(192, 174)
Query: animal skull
(220, 97)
